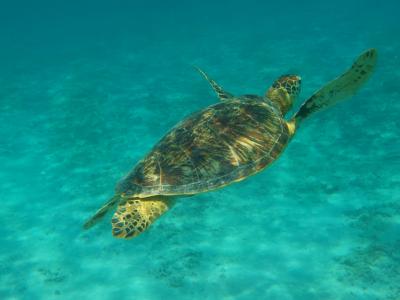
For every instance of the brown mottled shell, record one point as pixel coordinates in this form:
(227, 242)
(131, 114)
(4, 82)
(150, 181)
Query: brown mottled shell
(221, 144)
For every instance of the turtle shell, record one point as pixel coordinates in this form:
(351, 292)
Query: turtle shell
(221, 144)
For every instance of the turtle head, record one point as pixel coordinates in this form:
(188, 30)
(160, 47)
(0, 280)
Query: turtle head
(284, 92)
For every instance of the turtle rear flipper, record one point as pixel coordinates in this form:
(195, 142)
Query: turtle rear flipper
(135, 215)
(102, 212)
(340, 88)
(222, 95)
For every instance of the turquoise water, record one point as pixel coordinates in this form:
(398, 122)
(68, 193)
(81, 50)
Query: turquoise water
(86, 90)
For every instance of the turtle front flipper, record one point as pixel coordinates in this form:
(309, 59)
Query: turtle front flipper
(135, 215)
(340, 88)
(222, 95)
(102, 212)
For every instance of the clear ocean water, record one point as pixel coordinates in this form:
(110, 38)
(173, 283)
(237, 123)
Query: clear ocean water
(87, 88)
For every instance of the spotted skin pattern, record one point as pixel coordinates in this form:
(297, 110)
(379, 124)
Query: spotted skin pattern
(135, 215)
(291, 83)
(284, 91)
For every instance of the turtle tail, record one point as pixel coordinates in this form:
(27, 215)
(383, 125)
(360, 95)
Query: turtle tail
(135, 215)
(102, 212)
(343, 87)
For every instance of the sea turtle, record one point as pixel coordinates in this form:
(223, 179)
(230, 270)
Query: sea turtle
(221, 144)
